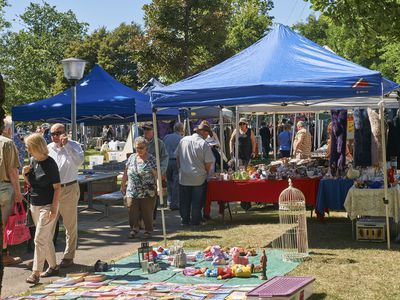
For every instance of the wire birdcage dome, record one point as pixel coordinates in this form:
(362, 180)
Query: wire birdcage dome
(293, 221)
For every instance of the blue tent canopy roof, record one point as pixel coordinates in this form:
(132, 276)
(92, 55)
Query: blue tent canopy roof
(101, 99)
(281, 67)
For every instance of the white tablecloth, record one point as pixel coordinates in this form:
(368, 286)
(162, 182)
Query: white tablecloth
(369, 202)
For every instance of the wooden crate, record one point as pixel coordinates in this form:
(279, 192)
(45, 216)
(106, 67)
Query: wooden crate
(371, 230)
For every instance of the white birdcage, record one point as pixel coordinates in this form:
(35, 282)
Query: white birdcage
(293, 221)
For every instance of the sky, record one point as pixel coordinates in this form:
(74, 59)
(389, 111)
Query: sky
(111, 13)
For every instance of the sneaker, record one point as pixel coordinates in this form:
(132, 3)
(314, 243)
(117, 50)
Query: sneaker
(9, 260)
(51, 272)
(132, 234)
(66, 262)
(33, 279)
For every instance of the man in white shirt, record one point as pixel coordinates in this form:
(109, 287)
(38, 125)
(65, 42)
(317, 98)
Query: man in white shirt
(68, 156)
(195, 160)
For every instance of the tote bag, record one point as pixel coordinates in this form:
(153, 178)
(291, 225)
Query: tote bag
(16, 231)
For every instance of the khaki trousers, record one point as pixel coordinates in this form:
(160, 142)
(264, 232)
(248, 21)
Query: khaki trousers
(68, 209)
(142, 207)
(44, 246)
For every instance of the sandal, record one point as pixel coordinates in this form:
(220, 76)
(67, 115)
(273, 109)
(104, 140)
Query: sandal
(132, 234)
(51, 272)
(147, 235)
(33, 279)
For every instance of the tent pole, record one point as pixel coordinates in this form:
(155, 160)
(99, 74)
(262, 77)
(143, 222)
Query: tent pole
(159, 181)
(384, 168)
(315, 130)
(237, 139)
(221, 137)
(320, 131)
(293, 132)
(179, 117)
(274, 130)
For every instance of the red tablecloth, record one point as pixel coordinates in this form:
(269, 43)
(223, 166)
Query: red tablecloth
(258, 191)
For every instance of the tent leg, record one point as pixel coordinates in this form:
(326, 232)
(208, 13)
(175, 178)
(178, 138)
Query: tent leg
(293, 132)
(237, 140)
(159, 181)
(221, 137)
(384, 170)
(274, 130)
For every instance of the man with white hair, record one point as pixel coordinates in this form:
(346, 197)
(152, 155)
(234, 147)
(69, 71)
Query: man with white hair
(68, 156)
(302, 142)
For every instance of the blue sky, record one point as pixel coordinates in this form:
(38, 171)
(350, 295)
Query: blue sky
(110, 13)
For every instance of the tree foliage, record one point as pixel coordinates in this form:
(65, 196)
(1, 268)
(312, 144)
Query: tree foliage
(353, 29)
(184, 37)
(108, 49)
(32, 55)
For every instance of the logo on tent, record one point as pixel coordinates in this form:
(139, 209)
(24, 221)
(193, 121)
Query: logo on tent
(360, 83)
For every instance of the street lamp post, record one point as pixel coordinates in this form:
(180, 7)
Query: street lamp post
(73, 71)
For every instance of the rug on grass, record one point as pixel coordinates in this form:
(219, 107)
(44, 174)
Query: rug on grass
(127, 281)
(129, 268)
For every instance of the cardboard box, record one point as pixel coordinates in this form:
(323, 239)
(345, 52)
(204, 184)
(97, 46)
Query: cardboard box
(371, 230)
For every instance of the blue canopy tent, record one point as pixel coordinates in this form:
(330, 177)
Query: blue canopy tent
(281, 67)
(101, 99)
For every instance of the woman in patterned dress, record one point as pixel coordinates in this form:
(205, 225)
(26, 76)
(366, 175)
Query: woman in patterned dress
(139, 186)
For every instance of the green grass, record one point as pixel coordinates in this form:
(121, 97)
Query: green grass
(343, 268)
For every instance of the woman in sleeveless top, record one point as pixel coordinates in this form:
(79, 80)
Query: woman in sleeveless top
(247, 142)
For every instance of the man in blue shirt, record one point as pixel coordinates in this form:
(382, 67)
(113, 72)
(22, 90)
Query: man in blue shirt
(285, 140)
(171, 142)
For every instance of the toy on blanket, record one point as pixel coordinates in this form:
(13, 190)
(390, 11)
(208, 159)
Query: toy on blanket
(191, 271)
(242, 271)
(219, 273)
(237, 258)
(214, 253)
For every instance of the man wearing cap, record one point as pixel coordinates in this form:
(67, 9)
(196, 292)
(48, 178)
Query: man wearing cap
(247, 142)
(195, 160)
(68, 156)
(171, 142)
(302, 142)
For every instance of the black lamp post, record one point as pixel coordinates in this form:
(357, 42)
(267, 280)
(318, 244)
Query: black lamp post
(73, 71)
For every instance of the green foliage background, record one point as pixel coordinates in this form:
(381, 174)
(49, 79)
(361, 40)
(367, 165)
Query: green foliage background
(181, 38)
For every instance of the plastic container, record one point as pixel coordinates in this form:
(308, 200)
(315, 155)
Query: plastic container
(95, 160)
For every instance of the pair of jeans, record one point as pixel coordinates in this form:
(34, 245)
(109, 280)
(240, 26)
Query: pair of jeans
(192, 200)
(173, 184)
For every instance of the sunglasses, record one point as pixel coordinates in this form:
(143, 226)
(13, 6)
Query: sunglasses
(240, 124)
(56, 133)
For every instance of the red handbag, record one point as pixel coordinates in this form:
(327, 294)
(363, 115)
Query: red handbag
(16, 232)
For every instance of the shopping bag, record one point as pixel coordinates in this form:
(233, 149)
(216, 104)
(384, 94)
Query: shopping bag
(16, 231)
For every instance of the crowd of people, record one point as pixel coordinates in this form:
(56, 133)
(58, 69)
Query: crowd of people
(185, 163)
(51, 181)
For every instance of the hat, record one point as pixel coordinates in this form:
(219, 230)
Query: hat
(204, 127)
(243, 120)
(147, 126)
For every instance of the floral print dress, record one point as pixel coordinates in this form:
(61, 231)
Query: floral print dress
(141, 182)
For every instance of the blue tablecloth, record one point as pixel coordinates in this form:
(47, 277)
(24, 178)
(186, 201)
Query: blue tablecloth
(332, 194)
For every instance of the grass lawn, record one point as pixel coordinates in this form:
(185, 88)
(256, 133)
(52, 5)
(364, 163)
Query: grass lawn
(343, 267)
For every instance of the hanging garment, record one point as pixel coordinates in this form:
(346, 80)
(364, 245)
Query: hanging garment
(393, 138)
(376, 140)
(362, 138)
(337, 158)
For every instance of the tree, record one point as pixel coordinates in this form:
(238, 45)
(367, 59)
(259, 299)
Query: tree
(314, 29)
(250, 21)
(108, 49)
(32, 55)
(182, 37)
(370, 17)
